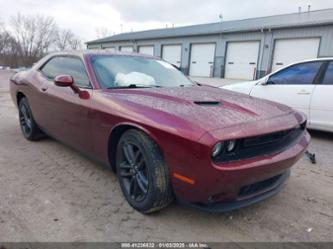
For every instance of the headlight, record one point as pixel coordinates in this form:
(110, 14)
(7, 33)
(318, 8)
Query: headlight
(231, 145)
(225, 147)
(217, 149)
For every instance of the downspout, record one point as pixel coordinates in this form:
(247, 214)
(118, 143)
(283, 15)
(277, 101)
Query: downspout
(263, 50)
(135, 47)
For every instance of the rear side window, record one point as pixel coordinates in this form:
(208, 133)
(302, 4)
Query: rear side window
(300, 74)
(67, 65)
(328, 79)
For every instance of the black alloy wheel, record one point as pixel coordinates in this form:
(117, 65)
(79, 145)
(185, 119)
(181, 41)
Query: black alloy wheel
(25, 119)
(142, 173)
(29, 127)
(133, 171)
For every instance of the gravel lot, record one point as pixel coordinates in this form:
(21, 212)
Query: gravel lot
(49, 192)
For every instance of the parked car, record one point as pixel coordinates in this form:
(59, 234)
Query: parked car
(4, 67)
(306, 86)
(163, 135)
(20, 69)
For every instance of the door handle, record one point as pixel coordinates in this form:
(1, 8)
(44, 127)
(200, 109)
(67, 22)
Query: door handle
(303, 92)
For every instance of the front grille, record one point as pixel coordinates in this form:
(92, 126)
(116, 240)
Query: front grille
(266, 139)
(257, 187)
(267, 144)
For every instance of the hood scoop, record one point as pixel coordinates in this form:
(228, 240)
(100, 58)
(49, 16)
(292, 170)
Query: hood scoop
(208, 103)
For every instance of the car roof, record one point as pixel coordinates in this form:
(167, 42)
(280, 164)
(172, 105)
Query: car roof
(316, 59)
(91, 52)
(100, 52)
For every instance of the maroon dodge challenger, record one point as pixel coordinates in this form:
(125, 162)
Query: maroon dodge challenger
(164, 135)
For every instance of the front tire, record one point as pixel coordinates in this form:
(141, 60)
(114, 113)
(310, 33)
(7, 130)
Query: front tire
(29, 127)
(142, 173)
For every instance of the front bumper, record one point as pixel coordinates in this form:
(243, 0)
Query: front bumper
(220, 187)
(230, 206)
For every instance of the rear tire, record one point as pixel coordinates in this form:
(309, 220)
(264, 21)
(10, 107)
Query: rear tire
(29, 127)
(142, 173)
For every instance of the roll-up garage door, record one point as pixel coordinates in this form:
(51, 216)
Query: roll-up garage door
(172, 54)
(202, 59)
(242, 60)
(149, 50)
(287, 51)
(128, 49)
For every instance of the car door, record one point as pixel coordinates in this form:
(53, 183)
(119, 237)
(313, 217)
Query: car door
(65, 114)
(321, 107)
(292, 86)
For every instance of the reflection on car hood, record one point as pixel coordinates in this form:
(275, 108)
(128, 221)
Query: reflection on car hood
(207, 107)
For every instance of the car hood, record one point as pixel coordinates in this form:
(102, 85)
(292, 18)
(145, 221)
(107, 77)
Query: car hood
(207, 107)
(243, 87)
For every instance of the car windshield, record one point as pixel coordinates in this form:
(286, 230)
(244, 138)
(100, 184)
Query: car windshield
(122, 71)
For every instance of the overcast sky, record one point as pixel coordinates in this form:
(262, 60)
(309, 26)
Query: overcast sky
(83, 17)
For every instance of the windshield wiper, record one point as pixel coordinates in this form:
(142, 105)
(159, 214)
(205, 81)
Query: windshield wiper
(133, 86)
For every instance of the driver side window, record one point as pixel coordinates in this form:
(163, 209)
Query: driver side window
(67, 65)
(299, 74)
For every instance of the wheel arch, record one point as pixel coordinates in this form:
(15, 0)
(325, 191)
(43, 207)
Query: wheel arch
(116, 134)
(19, 96)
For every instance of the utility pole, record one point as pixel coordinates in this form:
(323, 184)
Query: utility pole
(221, 17)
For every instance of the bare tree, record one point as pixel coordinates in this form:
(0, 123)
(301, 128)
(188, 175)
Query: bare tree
(4, 36)
(66, 39)
(33, 35)
(8, 48)
(102, 32)
(28, 38)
